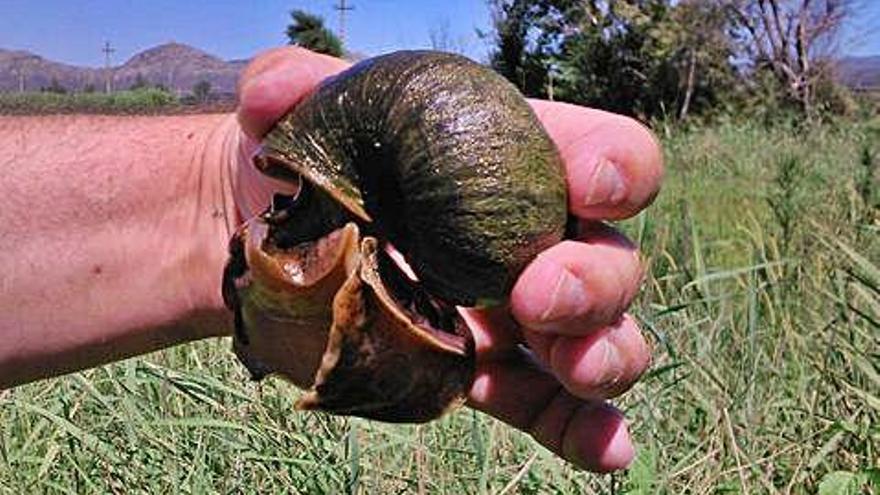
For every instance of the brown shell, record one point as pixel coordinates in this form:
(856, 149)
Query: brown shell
(427, 152)
(363, 355)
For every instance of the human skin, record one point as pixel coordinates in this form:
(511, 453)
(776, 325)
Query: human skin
(115, 231)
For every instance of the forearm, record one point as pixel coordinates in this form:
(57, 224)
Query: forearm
(112, 240)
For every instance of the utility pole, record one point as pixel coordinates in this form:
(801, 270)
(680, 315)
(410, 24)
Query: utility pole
(551, 75)
(107, 71)
(18, 68)
(342, 8)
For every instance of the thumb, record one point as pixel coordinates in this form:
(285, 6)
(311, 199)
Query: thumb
(273, 83)
(277, 80)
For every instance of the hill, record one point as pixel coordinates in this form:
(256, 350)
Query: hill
(179, 67)
(860, 72)
(175, 66)
(27, 71)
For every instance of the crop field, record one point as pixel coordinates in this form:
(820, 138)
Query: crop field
(762, 302)
(135, 101)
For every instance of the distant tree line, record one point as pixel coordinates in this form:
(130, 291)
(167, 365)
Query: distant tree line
(667, 59)
(141, 97)
(201, 92)
(657, 58)
(672, 58)
(53, 100)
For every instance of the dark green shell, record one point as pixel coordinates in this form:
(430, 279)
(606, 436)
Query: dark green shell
(440, 156)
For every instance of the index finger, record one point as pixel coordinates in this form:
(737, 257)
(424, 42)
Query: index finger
(613, 163)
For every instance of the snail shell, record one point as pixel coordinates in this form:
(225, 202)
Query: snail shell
(427, 152)
(440, 156)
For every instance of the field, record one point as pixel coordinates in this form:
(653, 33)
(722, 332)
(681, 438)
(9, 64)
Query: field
(762, 301)
(134, 101)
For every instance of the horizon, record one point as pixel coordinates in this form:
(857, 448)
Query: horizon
(79, 31)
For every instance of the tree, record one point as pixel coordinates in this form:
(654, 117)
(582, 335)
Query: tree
(140, 82)
(703, 53)
(791, 39)
(619, 56)
(308, 31)
(644, 58)
(523, 43)
(54, 87)
(202, 91)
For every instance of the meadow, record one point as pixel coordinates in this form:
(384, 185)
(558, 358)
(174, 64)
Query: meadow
(146, 100)
(139, 101)
(762, 301)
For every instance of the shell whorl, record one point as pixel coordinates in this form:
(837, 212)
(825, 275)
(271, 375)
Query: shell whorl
(438, 155)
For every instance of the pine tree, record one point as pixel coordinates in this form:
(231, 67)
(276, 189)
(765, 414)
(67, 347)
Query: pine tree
(308, 31)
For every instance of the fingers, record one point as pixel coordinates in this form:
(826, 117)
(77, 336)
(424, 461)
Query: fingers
(601, 365)
(494, 331)
(613, 164)
(591, 435)
(570, 300)
(276, 81)
(576, 287)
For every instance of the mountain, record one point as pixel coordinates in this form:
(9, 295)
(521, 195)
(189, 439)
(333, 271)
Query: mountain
(21, 69)
(859, 72)
(175, 66)
(179, 67)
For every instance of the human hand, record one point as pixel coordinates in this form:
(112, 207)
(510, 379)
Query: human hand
(568, 305)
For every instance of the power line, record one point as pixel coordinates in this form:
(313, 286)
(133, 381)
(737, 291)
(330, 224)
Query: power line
(342, 8)
(107, 52)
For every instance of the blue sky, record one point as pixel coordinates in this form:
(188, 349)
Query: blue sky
(74, 31)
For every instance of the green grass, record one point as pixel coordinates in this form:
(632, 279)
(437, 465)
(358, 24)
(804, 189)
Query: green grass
(146, 100)
(762, 301)
(141, 101)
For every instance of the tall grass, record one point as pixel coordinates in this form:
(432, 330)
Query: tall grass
(772, 361)
(762, 301)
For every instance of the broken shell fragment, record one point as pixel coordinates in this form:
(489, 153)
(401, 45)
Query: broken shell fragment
(369, 354)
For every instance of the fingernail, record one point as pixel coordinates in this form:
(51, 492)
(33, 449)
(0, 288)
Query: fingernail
(604, 444)
(619, 453)
(606, 185)
(481, 389)
(568, 298)
(612, 366)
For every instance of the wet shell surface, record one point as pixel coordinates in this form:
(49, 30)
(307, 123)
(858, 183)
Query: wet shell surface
(425, 153)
